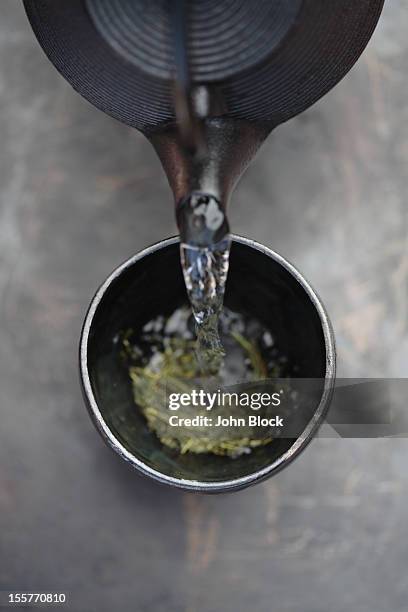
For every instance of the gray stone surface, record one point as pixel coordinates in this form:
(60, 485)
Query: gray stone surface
(79, 193)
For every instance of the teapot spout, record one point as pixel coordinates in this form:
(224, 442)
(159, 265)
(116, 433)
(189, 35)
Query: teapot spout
(204, 180)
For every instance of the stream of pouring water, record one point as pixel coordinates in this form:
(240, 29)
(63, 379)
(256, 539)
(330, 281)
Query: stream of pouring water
(204, 251)
(205, 271)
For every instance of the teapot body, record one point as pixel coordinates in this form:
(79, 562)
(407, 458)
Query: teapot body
(261, 61)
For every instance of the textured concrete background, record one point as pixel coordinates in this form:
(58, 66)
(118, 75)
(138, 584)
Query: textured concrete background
(79, 193)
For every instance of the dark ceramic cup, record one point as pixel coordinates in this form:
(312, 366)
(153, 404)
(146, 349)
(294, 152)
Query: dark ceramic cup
(260, 283)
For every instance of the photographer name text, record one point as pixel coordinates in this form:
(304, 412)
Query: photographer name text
(251, 420)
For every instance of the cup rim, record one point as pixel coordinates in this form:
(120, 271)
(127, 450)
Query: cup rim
(196, 485)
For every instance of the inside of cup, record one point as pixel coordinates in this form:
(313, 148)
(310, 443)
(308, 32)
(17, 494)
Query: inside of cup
(258, 286)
